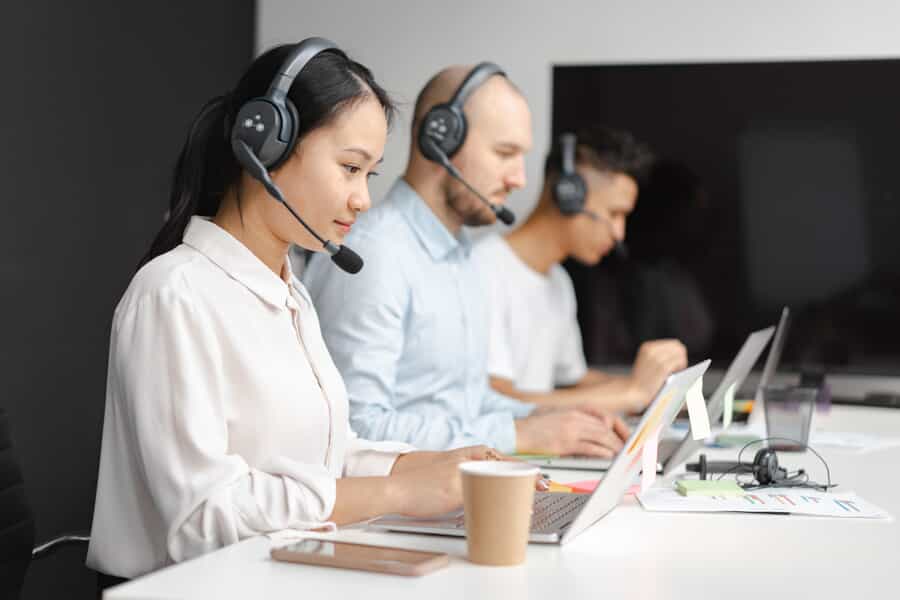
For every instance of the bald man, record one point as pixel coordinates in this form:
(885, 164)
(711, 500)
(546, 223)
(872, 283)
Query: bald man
(409, 332)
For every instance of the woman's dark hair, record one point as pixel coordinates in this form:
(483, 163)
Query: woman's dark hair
(206, 168)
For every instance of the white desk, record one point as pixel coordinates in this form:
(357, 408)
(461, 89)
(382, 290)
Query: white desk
(630, 553)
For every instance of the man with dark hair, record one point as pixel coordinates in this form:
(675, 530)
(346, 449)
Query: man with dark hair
(535, 342)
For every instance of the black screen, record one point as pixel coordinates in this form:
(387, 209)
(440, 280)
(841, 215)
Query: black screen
(776, 184)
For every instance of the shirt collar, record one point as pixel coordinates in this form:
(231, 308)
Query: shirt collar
(233, 257)
(432, 234)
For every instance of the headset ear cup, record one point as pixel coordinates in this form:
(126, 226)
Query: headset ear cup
(443, 128)
(765, 467)
(570, 193)
(256, 124)
(293, 118)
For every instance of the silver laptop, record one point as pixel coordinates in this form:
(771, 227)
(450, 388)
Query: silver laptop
(736, 374)
(771, 362)
(559, 517)
(674, 451)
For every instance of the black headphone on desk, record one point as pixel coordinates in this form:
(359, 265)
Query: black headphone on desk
(764, 468)
(570, 190)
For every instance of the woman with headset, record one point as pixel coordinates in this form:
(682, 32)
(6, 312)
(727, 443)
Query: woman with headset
(225, 415)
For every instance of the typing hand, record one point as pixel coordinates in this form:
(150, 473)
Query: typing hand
(432, 485)
(568, 431)
(655, 361)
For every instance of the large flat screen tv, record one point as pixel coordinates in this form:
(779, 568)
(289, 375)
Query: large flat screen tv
(777, 183)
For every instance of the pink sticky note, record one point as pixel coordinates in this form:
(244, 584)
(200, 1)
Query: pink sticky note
(648, 460)
(584, 487)
(589, 485)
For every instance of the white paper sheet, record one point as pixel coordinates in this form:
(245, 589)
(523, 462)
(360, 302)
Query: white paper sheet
(771, 500)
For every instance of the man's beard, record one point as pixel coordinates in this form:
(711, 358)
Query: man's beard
(470, 209)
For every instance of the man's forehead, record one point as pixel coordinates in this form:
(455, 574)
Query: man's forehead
(622, 183)
(499, 108)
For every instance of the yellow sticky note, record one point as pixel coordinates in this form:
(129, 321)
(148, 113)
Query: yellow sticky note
(558, 487)
(729, 407)
(648, 460)
(696, 406)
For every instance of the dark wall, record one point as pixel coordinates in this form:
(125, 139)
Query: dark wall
(96, 101)
(778, 178)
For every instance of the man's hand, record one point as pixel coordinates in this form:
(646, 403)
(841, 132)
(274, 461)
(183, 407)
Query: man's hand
(568, 431)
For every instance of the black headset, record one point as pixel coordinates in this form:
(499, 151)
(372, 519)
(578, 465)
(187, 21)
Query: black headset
(764, 468)
(269, 124)
(570, 190)
(443, 132)
(444, 126)
(264, 134)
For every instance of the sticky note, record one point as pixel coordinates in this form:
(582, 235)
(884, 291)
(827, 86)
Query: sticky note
(584, 487)
(558, 487)
(729, 406)
(648, 460)
(696, 406)
(735, 440)
(708, 487)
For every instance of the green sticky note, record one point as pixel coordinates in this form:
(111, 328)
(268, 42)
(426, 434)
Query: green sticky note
(733, 440)
(708, 487)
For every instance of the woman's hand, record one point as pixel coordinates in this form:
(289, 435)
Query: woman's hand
(428, 484)
(415, 460)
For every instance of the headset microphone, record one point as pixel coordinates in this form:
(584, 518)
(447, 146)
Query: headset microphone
(345, 258)
(620, 248)
(264, 134)
(570, 190)
(444, 127)
(505, 215)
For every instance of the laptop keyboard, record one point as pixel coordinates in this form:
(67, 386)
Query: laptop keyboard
(554, 511)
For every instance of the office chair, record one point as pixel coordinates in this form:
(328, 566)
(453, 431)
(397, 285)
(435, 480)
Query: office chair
(17, 548)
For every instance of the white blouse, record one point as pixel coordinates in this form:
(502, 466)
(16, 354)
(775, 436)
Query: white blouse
(225, 415)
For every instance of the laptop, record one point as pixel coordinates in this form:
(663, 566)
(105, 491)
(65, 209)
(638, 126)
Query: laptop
(672, 452)
(756, 415)
(558, 517)
(736, 374)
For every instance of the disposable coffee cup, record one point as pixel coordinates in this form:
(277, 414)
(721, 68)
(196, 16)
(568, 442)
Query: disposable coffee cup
(497, 501)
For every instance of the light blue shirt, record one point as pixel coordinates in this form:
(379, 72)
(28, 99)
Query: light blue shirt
(409, 332)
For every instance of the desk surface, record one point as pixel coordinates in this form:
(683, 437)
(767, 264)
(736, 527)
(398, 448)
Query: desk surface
(629, 553)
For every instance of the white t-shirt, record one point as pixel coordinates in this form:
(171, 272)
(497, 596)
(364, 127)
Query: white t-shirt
(535, 341)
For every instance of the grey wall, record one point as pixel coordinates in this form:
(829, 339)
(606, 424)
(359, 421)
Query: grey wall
(96, 101)
(406, 41)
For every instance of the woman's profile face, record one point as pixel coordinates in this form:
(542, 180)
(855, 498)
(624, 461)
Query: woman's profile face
(326, 179)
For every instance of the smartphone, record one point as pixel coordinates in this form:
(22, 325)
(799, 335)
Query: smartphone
(345, 555)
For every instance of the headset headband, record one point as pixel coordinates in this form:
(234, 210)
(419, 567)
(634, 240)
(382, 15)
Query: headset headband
(481, 73)
(287, 73)
(567, 143)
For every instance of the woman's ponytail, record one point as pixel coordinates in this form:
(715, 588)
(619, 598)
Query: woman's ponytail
(204, 170)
